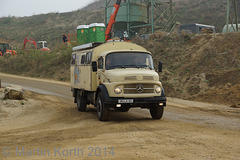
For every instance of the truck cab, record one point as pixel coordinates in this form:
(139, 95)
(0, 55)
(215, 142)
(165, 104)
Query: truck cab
(42, 45)
(5, 49)
(118, 75)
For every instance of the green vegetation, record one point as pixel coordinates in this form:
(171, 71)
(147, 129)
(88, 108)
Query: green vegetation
(35, 63)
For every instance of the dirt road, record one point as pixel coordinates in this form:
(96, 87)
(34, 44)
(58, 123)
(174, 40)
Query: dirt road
(52, 128)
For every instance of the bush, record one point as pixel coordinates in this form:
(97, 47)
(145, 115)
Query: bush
(36, 63)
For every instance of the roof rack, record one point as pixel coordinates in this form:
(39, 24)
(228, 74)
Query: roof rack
(87, 46)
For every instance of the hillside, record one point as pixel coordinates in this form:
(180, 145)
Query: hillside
(204, 67)
(50, 26)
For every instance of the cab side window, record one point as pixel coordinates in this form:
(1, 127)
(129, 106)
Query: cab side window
(73, 61)
(100, 63)
(83, 59)
(88, 57)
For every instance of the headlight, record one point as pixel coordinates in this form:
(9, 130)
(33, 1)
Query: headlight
(158, 89)
(117, 90)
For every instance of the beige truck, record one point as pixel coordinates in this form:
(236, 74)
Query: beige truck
(117, 75)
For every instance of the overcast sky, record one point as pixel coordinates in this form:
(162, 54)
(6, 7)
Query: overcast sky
(21, 8)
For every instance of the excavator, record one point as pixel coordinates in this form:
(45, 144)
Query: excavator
(112, 20)
(5, 49)
(42, 45)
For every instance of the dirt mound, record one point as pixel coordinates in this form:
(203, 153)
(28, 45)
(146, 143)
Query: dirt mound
(198, 67)
(14, 108)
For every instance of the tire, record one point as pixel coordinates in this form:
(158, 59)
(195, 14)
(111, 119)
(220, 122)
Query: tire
(102, 112)
(81, 102)
(156, 111)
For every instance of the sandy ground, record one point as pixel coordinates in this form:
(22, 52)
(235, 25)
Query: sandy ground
(49, 127)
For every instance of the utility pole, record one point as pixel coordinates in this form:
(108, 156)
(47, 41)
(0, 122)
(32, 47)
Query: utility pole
(229, 19)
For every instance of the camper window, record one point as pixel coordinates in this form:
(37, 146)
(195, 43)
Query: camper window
(83, 59)
(100, 63)
(73, 61)
(88, 57)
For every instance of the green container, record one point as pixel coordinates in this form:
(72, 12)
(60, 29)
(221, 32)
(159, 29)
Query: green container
(96, 32)
(135, 13)
(83, 34)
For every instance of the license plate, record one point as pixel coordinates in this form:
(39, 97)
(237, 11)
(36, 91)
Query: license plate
(125, 101)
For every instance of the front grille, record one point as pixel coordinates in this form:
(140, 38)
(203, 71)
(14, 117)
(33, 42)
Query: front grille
(130, 78)
(147, 77)
(138, 88)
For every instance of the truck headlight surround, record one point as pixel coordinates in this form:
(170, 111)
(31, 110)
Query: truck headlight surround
(118, 90)
(158, 90)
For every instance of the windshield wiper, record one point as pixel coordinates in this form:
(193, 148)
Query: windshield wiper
(144, 65)
(129, 66)
(139, 66)
(116, 66)
(132, 65)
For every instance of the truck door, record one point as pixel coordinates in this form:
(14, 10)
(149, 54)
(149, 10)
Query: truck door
(85, 70)
(72, 69)
(100, 70)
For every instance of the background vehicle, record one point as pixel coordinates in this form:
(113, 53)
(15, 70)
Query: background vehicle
(5, 49)
(42, 45)
(117, 75)
(196, 28)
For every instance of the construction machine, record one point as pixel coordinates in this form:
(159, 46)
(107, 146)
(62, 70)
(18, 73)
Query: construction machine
(112, 20)
(42, 45)
(123, 35)
(5, 49)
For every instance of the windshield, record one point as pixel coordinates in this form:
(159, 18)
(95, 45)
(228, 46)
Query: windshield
(1, 46)
(128, 60)
(4, 47)
(41, 44)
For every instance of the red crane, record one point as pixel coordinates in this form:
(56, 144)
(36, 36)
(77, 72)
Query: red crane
(42, 45)
(29, 40)
(112, 19)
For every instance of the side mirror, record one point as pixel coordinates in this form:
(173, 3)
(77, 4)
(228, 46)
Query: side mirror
(160, 66)
(94, 66)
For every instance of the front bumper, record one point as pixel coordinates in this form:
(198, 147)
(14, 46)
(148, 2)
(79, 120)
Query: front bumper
(138, 101)
(143, 102)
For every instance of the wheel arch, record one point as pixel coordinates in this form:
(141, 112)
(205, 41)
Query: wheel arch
(163, 93)
(101, 88)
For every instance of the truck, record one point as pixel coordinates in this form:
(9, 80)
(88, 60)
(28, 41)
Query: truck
(196, 28)
(116, 75)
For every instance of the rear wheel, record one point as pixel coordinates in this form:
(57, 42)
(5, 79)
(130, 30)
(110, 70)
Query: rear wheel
(156, 111)
(103, 113)
(81, 101)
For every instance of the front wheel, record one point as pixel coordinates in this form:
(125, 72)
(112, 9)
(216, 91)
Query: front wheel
(103, 113)
(157, 111)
